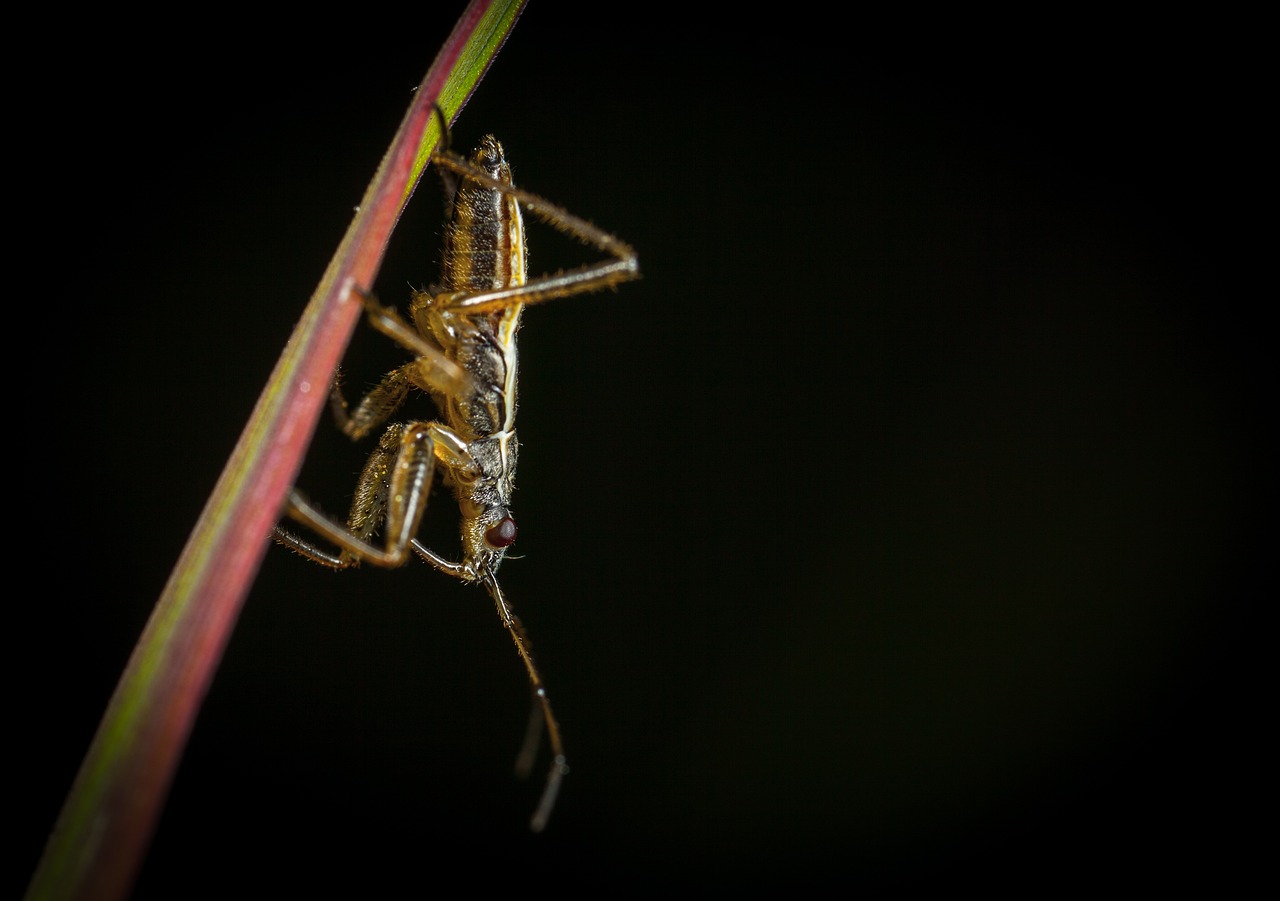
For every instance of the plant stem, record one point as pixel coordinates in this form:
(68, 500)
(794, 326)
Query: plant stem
(106, 824)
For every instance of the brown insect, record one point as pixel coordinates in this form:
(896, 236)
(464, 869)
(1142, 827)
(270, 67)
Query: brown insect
(463, 338)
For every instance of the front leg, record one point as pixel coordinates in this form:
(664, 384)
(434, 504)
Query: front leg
(391, 494)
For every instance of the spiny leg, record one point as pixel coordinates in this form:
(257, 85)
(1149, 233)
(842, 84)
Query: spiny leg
(392, 493)
(403, 458)
(431, 366)
(375, 407)
(579, 280)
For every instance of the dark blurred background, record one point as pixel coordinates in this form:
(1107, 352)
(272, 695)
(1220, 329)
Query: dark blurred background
(901, 527)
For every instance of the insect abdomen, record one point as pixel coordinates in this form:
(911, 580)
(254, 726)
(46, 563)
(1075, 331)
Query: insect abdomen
(484, 242)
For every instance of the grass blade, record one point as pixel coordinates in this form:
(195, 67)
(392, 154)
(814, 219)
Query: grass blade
(106, 824)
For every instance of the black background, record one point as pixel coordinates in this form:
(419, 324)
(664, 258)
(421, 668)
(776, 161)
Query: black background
(900, 527)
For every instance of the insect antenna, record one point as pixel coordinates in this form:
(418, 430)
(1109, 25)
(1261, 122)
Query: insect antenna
(542, 715)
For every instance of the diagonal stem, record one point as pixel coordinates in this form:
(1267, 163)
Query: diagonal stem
(106, 824)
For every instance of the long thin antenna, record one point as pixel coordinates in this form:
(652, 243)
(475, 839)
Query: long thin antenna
(559, 766)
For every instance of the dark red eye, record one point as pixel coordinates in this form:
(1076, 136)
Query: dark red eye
(502, 533)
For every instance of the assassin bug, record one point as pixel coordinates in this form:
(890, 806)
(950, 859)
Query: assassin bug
(464, 342)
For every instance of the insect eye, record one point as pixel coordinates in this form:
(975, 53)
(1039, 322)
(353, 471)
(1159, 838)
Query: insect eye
(502, 533)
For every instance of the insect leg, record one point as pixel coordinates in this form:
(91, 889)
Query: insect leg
(375, 407)
(392, 494)
(624, 266)
(431, 366)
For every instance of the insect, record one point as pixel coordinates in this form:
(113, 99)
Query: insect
(463, 337)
